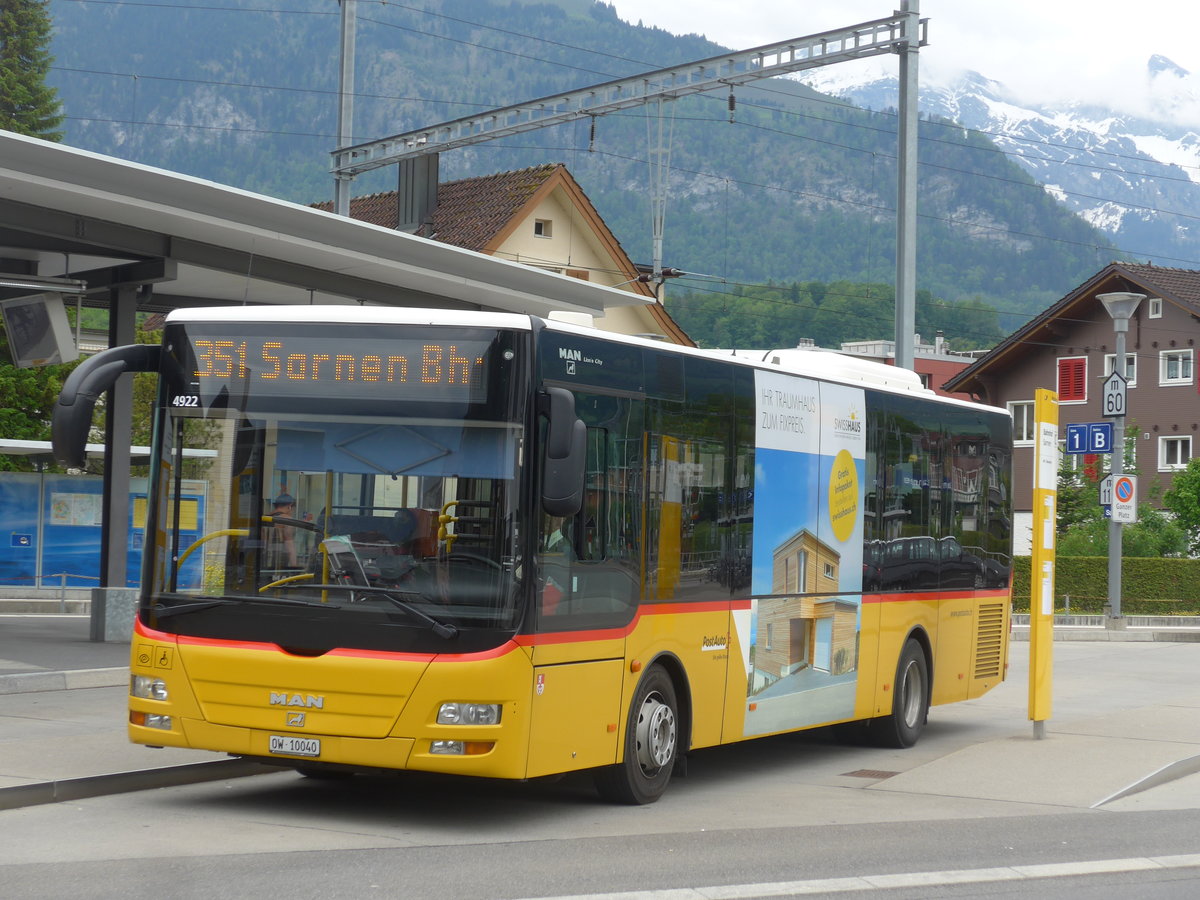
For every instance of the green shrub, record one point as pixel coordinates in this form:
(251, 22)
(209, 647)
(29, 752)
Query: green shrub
(1149, 585)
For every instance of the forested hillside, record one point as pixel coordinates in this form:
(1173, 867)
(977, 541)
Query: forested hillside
(829, 314)
(796, 189)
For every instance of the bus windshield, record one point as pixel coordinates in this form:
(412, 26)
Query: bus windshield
(339, 513)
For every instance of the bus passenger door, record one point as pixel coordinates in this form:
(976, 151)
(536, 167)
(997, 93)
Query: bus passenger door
(586, 596)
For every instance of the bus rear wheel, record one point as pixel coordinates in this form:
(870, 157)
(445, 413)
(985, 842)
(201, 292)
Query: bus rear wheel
(651, 744)
(910, 701)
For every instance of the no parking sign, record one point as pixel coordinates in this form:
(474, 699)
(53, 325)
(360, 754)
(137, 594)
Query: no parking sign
(1124, 498)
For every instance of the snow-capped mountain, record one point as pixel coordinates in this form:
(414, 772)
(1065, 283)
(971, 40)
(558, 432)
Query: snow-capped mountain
(1137, 177)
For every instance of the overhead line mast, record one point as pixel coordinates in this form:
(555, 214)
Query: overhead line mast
(902, 33)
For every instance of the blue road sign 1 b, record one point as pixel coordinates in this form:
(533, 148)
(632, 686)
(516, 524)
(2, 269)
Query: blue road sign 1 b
(1090, 437)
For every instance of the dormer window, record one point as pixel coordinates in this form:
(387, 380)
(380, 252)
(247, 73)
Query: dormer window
(543, 228)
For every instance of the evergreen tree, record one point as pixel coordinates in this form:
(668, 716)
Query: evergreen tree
(28, 105)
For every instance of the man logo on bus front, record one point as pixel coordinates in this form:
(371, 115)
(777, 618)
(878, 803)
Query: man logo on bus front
(282, 698)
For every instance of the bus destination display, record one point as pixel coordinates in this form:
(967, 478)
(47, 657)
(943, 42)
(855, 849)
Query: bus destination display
(452, 369)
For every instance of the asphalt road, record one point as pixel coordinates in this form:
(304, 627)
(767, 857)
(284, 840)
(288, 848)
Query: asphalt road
(976, 809)
(279, 836)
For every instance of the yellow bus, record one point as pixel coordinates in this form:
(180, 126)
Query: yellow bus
(493, 545)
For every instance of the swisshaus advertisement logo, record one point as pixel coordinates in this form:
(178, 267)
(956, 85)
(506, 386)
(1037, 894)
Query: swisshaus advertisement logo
(849, 424)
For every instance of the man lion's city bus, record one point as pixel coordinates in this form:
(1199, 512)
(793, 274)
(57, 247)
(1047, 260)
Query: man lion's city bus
(516, 548)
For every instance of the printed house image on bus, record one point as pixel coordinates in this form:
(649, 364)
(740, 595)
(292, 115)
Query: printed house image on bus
(800, 631)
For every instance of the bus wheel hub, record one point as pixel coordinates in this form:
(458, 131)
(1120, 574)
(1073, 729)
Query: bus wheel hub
(655, 734)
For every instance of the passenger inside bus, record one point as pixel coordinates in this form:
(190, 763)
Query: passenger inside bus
(281, 539)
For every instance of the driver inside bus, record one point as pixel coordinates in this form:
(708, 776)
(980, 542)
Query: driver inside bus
(556, 537)
(557, 554)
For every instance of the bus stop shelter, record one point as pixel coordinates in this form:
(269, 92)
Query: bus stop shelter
(105, 232)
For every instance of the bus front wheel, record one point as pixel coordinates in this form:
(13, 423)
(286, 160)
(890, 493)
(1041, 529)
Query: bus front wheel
(651, 744)
(910, 701)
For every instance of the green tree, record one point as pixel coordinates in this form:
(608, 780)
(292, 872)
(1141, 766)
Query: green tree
(1183, 499)
(29, 397)
(1154, 534)
(28, 105)
(1077, 502)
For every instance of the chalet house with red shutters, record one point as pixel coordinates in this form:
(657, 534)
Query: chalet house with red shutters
(538, 216)
(1069, 349)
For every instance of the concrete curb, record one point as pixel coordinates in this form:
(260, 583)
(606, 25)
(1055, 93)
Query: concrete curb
(43, 792)
(72, 679)
(45, 606)
(1100, 633)
(1168, 773)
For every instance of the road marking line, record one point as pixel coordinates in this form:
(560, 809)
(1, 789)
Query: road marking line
(899, 880)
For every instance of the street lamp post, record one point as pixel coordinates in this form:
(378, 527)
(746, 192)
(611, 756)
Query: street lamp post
(1121, 306)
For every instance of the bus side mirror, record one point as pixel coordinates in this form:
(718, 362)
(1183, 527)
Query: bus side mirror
(565, 456)
(72, 419)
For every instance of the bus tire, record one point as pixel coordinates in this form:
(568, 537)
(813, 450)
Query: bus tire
(910, 701)
(651, 744)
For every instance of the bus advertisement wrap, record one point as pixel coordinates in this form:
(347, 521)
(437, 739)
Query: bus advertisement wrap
(801, 633)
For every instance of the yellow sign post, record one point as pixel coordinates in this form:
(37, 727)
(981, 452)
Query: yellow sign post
(1041, 576)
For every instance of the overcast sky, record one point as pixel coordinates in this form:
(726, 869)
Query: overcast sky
(1043, 50)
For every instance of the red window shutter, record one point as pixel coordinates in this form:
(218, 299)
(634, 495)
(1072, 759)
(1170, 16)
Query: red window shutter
(1072, 378)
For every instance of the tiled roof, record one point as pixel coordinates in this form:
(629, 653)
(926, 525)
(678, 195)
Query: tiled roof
(474, 213)
(1179, 285)
(469, 213)
(378, 209)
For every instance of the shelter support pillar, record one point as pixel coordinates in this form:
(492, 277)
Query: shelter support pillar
(118, 427)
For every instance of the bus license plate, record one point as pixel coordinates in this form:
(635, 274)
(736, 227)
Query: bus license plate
(289, 745)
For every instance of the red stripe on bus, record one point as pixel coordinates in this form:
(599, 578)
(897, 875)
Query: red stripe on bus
(353, 653)
(924, 596)
(574, 637)
(148, 632)
(495, 652)
(610, 634)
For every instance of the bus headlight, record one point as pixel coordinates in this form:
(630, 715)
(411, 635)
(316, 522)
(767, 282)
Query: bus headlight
(148, 688)
(469, 714)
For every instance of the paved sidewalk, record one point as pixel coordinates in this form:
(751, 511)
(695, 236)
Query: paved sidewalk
(1125, 727)
(62, 719)
(1182, 629)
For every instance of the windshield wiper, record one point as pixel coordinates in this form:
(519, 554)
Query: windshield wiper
(440, 628)
(165, 611)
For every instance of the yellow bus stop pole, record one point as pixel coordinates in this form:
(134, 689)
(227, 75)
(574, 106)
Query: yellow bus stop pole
(1041, 576)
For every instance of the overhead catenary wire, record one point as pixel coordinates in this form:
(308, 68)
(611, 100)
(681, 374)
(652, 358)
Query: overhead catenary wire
(383, 3)
(541, 39)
